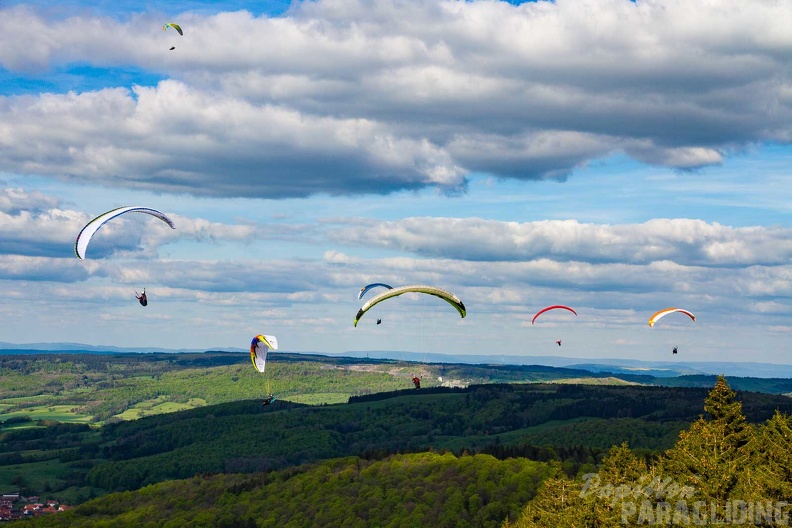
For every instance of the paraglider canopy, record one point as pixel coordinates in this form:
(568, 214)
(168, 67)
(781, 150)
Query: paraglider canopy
(662, 313)
(258, 350)
(366, 288)
(554, 307)
(174, 26)
(90, 229)
(449, 297)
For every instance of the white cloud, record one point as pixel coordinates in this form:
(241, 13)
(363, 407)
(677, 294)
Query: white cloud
(686, 241)
(346, 97)
(36, 224)
(14, 200)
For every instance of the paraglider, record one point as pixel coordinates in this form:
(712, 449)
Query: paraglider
(174, 26)
(449, 297)
(142, 298)
(366, 288)
(259, 346)
(554, 307)
(90, 229)
(662, 313)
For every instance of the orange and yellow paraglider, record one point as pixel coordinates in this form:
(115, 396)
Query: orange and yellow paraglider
(662, 313)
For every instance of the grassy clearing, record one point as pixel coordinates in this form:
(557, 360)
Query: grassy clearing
(38, 475)
(319, 398)
(59, 413)
(159, 405)
(17, 400)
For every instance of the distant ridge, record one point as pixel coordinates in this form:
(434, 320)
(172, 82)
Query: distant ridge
(101, 349)
(614, 365)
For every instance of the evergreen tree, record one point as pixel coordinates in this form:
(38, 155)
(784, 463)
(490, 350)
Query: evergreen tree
(720, 460)
(769, 474)
(558, 503)
(712, 454)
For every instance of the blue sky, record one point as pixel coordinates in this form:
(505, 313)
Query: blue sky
(608, 155)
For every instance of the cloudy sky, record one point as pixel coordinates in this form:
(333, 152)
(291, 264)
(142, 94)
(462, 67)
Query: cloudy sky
(617, 157)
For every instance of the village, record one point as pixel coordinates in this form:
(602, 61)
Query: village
(13, 506)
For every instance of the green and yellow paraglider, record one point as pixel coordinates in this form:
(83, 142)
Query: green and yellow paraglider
(448, 297)
(174, 26)
(177, 27)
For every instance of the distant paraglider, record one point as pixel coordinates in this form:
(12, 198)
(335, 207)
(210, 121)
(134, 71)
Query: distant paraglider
(366, 288)
(554, 307)
(174, 26)
(142, 298)
(90, 229)
(662, 313)
(449, 297)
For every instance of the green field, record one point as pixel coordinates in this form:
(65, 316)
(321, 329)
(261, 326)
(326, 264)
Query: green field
(159, 405)
(58, 413)
(319, 398)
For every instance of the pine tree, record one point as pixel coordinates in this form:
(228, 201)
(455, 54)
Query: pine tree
(712, 454)
(556, 504)
(769, 474)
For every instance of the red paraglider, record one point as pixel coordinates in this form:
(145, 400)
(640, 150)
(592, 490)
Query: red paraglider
(543, 310)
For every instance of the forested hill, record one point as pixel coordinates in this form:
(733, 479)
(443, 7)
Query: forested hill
(241, 437)
(437, 485)
(416, 490)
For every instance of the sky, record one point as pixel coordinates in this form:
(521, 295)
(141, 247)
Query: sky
(617, 157)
